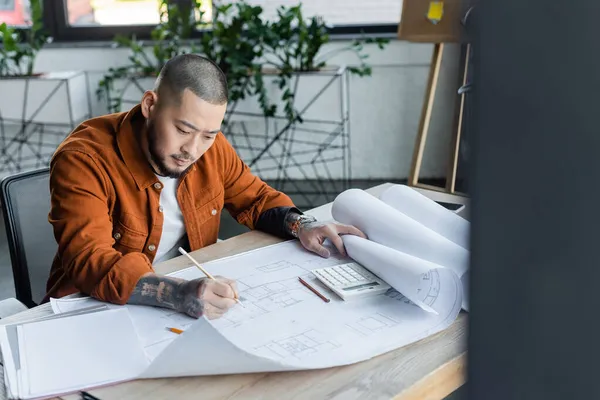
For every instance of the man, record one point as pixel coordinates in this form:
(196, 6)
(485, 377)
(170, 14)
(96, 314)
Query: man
(128, 189)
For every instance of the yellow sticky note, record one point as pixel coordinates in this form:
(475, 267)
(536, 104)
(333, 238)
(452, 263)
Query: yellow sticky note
(435, 12)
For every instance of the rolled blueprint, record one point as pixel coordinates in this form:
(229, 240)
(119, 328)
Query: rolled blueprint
(428, 213)
(389, 227)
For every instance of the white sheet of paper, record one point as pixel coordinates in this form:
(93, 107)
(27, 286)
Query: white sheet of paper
(284, 322)
(285, 326)
(428, 213)
(151, 323)
(202, 350)
(385, 225)
(423, 283)
(93, 349)
(9, 363)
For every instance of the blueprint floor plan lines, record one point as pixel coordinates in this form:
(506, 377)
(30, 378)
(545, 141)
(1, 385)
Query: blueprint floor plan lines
(263, 299)
(278, 301)
(367, 326)
(270, 273)
(275, 266)
(238, 315)
(430, 284)
(394, 294)
(299, 346)
(271, 291)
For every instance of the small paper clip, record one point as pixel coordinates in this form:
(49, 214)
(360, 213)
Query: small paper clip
(436, 11)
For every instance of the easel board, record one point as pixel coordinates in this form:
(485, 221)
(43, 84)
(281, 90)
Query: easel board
(415, 27)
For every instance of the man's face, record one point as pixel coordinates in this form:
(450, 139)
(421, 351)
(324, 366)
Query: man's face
(178, 134)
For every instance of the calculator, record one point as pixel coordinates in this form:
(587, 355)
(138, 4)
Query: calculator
(351, 280)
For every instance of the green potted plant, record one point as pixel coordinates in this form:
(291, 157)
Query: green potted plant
(20, 47)
(31, 100)
(169, 38)
(235, 41)
(245, 47)
(294, 44)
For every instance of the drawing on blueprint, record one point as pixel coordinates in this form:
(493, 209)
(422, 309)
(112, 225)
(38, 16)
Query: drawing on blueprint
(430, 284)
(275, 266)
(366, 326)
(394, 294)
(270, 273)
(298, 346)
(263, 299)
(428, 290)
(272, 287)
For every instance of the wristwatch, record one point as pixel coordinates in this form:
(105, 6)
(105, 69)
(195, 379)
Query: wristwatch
(298, 221)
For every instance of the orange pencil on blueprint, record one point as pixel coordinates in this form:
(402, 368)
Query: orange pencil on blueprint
(315, 291)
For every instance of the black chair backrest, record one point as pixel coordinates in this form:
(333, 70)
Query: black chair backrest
(25, 205)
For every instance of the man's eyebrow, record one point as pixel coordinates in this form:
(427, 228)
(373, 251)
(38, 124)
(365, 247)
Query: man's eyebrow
(189, 125)
(194, 127)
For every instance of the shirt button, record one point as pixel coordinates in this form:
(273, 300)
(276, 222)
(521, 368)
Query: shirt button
(152, 247)
(160, 208)
(117, 236)
(213, 212)
(157, 186)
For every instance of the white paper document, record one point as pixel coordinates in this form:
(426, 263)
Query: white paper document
(404, 220)
(428, 213)
(150, 322)
(61, 355)
(283, 325)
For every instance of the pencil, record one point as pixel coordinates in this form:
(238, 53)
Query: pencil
(205, 272)
(185, 253)
(175, 330)
(315, 291)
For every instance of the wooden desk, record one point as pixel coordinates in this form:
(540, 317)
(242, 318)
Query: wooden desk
(429, 369)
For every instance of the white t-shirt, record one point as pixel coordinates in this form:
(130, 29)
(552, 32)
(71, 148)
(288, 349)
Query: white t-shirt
(173, 233)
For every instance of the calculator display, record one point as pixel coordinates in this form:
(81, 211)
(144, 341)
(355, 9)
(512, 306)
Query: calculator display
(361, 286)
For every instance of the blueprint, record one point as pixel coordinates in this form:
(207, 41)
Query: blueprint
(282, 320)
(285, 326)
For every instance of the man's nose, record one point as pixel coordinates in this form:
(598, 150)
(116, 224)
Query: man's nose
(191, 148)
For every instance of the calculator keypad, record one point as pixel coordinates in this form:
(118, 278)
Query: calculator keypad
(351, 280)
(343, 275)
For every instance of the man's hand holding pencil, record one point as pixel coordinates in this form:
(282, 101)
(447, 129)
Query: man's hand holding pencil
(209, 297)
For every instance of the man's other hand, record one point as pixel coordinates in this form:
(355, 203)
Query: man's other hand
(313, 234)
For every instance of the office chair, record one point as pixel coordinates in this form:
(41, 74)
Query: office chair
(25, 205)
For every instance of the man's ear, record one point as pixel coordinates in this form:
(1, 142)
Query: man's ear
(149, 102)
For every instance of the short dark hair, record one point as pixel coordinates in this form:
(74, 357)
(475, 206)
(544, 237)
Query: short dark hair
(196, 73)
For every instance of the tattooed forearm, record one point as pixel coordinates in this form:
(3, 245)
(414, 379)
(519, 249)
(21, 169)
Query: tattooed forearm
(154, 290)
(167, 292)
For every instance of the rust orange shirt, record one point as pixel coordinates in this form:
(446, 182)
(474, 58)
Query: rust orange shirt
(105, 205)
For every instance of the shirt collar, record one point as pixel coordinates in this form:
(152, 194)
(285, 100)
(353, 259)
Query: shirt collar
(127, 140)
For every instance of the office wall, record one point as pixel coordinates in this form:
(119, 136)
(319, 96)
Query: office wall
(385, 108)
